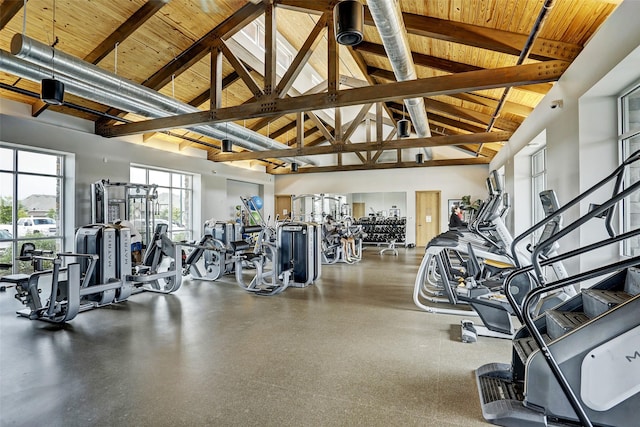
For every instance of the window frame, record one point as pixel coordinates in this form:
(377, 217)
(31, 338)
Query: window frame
(626, 137)
(15, 172)
(188, 231)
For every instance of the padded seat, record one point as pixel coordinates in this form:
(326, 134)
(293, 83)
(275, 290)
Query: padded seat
(15, 278)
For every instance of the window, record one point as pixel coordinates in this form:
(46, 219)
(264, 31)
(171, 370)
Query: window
(31, 187)
(174, 205)
(629, 137)
(538, 184)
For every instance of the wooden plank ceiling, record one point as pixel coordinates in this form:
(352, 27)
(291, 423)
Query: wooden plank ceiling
(466, 53)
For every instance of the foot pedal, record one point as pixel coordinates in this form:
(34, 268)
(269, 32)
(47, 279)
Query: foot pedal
(468, 332)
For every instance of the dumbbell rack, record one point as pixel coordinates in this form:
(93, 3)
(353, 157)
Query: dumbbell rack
(389, 231)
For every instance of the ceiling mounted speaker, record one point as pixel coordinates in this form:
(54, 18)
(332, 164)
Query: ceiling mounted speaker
(227, 146)
(294, 167)
(404, 128)
(348, 18)
(52, 91)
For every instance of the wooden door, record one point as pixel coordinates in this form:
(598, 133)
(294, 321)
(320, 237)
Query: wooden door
(283, 206)
(358, 210)
(427, 216)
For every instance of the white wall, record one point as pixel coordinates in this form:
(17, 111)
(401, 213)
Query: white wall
(101, 158)
(453, 182)
(582, 146)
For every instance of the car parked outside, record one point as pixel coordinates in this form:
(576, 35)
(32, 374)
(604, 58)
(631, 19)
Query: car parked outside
(37, 225)
(5, 240)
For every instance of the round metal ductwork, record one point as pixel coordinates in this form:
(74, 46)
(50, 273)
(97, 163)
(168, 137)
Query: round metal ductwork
(348, 18)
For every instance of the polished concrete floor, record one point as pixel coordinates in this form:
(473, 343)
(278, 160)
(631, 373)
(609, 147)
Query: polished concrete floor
(350, 350)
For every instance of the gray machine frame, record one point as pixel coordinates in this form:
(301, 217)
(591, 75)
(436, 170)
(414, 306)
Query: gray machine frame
(578, 362)
(101, 274)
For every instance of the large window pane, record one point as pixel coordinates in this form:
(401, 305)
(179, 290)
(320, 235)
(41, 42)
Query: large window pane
(39, 197)
(38, 163)
(6, 159)
(631, 206)
(138, 175)
(160, 178)
(630, 143)
(174, 205)
(631, 111)
(6, 200)
(30, 204)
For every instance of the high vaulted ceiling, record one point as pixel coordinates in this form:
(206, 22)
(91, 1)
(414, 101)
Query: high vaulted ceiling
(478, 79)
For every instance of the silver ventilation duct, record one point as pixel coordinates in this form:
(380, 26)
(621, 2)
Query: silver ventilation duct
(110, 89)
(388, 19)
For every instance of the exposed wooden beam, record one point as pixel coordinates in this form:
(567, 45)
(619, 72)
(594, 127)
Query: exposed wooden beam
(307, 133)
(270, 47)
(284, 129)
(434, 141)
(205, 95)
(215, 80)
(302, 56)
(379, 73)
(485, 101)
(200, 48)
(197, 51)
(242, 71)
(379, 166)
(38, 108)
(362, 64)
(299, 130)
(419, 59)
(433, 105)
(485, 38)
(473, 149)
(458, 32)
(321, 127)
(455, 123)
(9, 9)
(441, 85)
(356, 121)
(127, 28)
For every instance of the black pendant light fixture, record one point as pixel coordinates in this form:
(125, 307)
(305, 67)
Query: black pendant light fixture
(404, 125)
(294, 167)
(52, 90)
(419, 158)
(348, 18)
(227, 146)
(404, 128)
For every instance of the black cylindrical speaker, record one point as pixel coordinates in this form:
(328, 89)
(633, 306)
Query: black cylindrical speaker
(419, 158)
(52, 91)
(348, 18)
(294, 167)
(227, 146)
(404, 128)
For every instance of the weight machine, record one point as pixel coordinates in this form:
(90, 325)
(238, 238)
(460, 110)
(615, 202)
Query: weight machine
(101, 273)
(112, 201)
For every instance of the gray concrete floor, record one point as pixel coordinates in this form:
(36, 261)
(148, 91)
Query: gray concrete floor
(350, 350)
